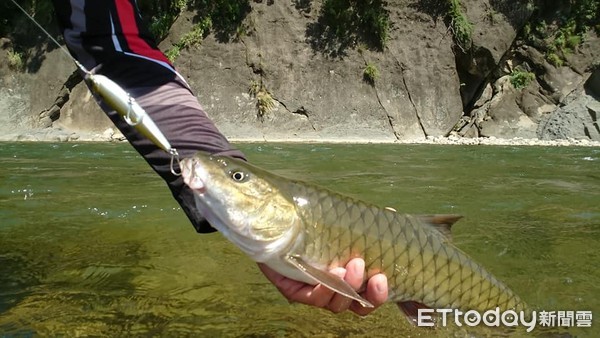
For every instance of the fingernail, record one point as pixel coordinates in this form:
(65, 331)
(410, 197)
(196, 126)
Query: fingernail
(380, 287)
(359, 267)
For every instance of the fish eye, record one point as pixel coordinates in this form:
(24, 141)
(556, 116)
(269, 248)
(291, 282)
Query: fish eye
(238, 176)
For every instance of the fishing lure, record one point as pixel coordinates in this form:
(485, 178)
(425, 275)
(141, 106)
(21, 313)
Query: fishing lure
(119, 100)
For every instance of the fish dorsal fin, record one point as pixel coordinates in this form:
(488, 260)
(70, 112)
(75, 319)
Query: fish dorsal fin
(441, 223)
(327, 279)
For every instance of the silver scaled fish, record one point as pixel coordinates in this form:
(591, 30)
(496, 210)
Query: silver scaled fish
(302, 231)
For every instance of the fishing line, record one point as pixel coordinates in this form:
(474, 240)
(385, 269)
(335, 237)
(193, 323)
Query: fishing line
(79, 65)
(118, 99)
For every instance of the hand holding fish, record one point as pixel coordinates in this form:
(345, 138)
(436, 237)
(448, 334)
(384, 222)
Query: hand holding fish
(376, 291)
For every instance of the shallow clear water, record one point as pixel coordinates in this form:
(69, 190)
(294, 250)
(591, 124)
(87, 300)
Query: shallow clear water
(91, 242)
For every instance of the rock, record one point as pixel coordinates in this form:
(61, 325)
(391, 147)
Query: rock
(594, 108)
(317, 84)
(118, 136)
(561, 81)
(576, 120)
(535, 105)
(556, 83)
(534, 58)
(26, 138)
(506, 119)
(45, 122)
(108, 133)
(5, 43)
(485, 96)
(592, 85)
(54, 112)
(62, 137)
(495, 27)
(82, 113)
(587, 54)
(417, 93)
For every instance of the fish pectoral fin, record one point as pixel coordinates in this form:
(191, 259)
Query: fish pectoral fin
(328, 280)
(441, 223)
(411, 310)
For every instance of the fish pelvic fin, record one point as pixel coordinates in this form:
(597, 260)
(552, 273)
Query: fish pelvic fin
(411, 310)
(327, 279)
(442, 223)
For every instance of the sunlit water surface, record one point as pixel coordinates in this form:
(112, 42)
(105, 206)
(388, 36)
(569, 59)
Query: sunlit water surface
(91, 242)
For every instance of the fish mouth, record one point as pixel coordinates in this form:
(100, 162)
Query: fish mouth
(190, 169)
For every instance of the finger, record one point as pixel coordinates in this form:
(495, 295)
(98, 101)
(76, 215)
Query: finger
(376, 293)
(320, 296)
(272, 275)
(296, 291)
(354, 275)
(338, 303)
(287, 287)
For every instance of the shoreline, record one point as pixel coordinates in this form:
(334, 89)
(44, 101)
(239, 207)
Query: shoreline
(434, 140)
(110, 136)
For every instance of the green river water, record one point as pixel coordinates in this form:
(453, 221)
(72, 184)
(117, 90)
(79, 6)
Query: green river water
(92, 244)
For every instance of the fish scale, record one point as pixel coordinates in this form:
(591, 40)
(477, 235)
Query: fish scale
(313, 229)
(418, 261)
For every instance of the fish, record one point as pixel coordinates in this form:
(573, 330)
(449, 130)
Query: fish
(302, 230)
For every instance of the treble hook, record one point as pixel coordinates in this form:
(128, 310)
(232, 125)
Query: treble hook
(127, 117)
(174, 157)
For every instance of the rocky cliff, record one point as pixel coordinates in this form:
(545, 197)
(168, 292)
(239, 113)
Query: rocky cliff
(284, 75)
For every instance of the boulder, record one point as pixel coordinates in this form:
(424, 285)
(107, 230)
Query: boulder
(592, 85)
(576, 120)
(504, 118)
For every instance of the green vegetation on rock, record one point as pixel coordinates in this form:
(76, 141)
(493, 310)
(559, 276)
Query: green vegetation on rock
(190, 39)
(15, 60)
(223, 17)
(227, 16)
(461, 27)
(358, 20)
(162, 14)
(520, 78)
(10, 16)
(554, 59)
(559, 27)
(24, 39)
(370, 74)
(264, 100)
